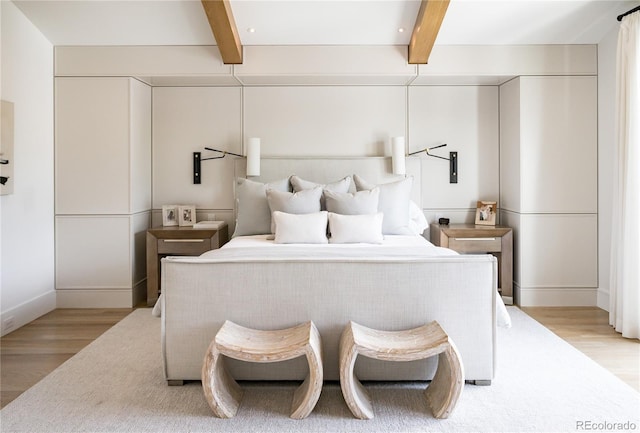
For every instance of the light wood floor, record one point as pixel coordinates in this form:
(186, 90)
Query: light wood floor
(587, 329)
(30, 353)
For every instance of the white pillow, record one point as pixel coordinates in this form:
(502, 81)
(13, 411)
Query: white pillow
(300, 184)
(417, 221)
(393, 203)
(253, 215)
(358, 203)
(310, 228)
(348, 229)
(307, 201)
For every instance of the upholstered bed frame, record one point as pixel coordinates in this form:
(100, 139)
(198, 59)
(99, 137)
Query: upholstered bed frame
(457, 291)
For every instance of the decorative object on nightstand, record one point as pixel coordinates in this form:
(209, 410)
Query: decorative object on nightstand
(186, 215)
(178, 241)
(480, 239)
(170, 215)
(486, 212)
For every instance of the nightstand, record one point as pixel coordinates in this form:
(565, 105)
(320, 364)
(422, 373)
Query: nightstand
(477, 239)
(177, 241)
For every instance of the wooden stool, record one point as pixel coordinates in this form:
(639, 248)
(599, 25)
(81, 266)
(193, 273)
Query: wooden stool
(409, 345)
(222, 391)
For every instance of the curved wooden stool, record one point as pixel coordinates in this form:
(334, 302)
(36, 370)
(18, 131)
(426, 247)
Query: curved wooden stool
(409, 345)
(222, 391)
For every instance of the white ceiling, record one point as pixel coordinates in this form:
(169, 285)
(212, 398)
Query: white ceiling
(323, 22)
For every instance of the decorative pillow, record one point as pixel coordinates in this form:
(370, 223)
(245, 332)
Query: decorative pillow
(393, 203)
(302, 202)
(300, 184)
(253, 216)
(310, 228)
(417, 221)
(358, 203)
(346, 229)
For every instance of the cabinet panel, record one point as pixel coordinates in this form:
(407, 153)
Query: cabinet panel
(140, 146)
(558, 251)
(93, 252)
(92, 145)
(559, 142)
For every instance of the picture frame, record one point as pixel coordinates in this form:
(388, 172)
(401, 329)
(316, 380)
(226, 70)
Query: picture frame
(170, 215)
(186, 215)
(486, 213)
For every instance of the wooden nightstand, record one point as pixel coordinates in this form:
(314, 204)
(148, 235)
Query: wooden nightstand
(177, 241)
(476, 239)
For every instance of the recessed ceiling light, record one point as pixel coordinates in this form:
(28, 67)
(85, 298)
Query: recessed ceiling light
(251, 30)
(401, 30)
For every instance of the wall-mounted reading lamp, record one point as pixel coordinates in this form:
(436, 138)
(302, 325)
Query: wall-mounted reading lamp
(453, 161)
(253, 159)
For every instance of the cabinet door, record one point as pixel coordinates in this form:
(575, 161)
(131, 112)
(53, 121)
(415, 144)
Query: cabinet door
(558, 148)
(92, 146)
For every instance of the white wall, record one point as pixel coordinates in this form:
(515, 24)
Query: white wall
(26, 223)
(324, 121)
(606, 145)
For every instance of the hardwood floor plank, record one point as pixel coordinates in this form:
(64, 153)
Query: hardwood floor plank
(33, 351)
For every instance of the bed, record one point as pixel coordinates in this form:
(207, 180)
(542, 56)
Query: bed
(392, 282)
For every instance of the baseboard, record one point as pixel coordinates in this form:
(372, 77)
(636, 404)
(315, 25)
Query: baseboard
(95, 298)
(26, 312)
(557, 296)
(603, 300)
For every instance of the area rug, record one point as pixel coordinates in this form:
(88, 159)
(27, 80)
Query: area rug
(116, 384)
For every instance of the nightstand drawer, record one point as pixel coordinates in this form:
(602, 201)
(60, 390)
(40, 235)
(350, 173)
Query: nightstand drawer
(183, 246)
(476, 245)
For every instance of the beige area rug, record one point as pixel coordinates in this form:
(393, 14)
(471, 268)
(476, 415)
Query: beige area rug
(116, 384)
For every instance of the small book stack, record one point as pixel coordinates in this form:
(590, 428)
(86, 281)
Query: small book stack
(208, 225)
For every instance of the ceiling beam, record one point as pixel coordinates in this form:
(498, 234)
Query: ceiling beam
(424, 34)
(224, 30)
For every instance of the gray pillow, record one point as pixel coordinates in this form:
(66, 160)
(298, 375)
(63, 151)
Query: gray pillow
(302, 202)
(393, 203)
(300, 184)
(253, 216)
(359, 203)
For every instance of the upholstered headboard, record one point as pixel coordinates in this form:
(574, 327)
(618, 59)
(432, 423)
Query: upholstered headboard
(327, 170)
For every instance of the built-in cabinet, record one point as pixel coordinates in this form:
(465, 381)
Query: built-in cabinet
(102, 190)
(548, 184)
(522, 118)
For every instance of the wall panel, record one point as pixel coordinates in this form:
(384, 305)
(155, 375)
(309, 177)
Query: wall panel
(325, 120)
(466, 118)
(185, 120)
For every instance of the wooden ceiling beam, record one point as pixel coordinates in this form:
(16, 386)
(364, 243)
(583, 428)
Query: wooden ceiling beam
(224, 30)
(424, 34)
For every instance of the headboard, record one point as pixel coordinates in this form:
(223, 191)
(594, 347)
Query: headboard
(325, 170)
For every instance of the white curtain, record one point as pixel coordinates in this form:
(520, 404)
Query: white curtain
(624, 312)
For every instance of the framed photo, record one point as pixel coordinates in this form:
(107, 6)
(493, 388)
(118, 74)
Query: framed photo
(486, 212)
(186, 215)
(170, 215)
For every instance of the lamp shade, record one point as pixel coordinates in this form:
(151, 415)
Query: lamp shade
(397, 155)
(253, 157)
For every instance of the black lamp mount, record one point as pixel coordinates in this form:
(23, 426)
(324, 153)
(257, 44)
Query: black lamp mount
(453, 161)
(197, 158)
